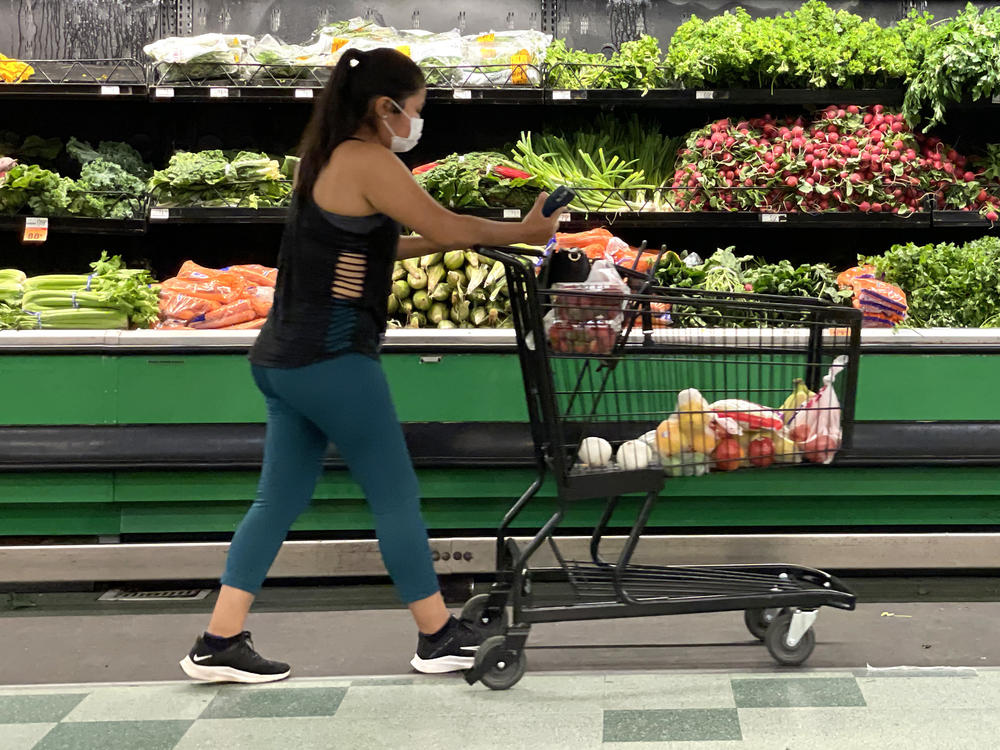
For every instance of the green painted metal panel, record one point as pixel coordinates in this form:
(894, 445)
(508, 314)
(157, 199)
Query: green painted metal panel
(210, 388)
(929, 387)
(55, 488)
(57, 390)
(59, 520)
(203, 389)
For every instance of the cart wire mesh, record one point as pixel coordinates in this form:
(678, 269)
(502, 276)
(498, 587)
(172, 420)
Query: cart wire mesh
(629, 386)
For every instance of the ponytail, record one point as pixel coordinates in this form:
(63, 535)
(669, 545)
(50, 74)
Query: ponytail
(344, 106)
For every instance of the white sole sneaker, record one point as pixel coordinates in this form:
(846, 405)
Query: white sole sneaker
(226, 674)
(442, 664)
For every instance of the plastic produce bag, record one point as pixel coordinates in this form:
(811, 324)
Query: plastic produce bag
(288, 60)
(815, 426)
(200, 57)
(504, 57)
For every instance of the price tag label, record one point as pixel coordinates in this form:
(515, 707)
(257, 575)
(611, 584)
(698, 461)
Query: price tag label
(303, 93)
(773, 218)
(461, 94)
(512, 213)
(701, 95)
(564, 218)
(36, 230)
(159, 214)
(218, 92)
(560, 96)
(110, 90)
(163, 92)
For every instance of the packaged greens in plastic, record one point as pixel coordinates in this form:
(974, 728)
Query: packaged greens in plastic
(288, 60)
(200, 57)
(504, 58)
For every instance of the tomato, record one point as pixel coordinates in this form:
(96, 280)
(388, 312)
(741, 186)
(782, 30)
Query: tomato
(728, 455)
(800, 432)
(820, 448)
(761, 452)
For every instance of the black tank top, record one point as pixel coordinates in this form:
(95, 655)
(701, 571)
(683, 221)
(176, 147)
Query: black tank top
(334, 277)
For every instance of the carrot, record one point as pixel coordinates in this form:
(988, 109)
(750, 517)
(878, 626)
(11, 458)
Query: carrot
(190, 270)
(256, 274)
(228, 315)
(184, 307)
(262, 300)
(224, 287)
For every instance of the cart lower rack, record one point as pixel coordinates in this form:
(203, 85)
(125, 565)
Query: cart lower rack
(627, 385)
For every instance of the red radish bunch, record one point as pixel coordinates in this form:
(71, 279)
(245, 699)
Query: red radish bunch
(841, 159)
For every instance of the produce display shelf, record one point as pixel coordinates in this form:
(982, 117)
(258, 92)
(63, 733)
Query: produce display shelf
(725, 97)
(198, 215)
(79, 225)
(424, 340)
(960, 220)
(103, 78)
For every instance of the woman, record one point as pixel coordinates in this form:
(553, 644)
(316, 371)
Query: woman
(316, 359)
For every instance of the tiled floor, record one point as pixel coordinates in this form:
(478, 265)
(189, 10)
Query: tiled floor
(812, 710)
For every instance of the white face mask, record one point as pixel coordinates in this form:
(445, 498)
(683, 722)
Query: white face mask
(399, 144)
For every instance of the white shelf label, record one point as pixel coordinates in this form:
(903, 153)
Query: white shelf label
(110, 90)
(218, 92)
(159, 214)
(704, 95)
(560, 96)
(461, 94)
(996, 99)
(512, 213)
(564, 218)
(36, 229)
(163, 92)
(773, 218)
(303, 93)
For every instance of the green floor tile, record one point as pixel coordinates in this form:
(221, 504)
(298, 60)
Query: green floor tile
(115, 735)
(672, 725)
(241, 703)
(31, 709)
(22, 736)
(146, 702)
(812, 692)
(381, 681)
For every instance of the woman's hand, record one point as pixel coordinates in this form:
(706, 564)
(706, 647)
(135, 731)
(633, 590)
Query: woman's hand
(539, 229)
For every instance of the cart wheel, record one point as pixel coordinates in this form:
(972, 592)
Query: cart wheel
(759, 620)
(487, 622)
(501, 667)
(777, 645)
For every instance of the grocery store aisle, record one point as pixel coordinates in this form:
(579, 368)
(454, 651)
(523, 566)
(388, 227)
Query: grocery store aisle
(697, 710)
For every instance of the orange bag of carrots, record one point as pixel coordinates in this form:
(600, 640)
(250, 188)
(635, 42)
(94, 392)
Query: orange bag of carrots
(256, 275)
(248, 326)
(224, 288)
(261, 299)
(227, 315)
(177, 306)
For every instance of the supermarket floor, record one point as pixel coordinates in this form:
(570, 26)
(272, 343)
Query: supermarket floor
(78, 673)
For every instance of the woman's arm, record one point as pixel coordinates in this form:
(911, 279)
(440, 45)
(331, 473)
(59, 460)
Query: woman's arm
(414, 247)
(390, 188)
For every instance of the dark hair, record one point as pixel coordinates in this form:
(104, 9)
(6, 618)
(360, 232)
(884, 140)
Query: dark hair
(343, 107)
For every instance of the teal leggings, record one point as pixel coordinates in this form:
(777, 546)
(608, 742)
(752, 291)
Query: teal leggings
(345, 401)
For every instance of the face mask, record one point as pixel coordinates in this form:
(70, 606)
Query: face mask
(399, 144)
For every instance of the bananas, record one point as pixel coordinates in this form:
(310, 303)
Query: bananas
(799, 395)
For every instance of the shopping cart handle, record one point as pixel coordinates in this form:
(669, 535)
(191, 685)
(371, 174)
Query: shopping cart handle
(559, 197)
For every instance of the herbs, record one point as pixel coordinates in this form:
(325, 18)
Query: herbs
(636, 65)
(960, 60)
(478, 179)
(812, 47)
(947, 285)
(807, 280)
(210, 179)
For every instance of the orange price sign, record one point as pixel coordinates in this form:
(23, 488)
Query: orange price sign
(519, 73)
(36, 230)
(336, 44)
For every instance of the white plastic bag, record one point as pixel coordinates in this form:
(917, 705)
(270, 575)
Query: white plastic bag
(815, 426)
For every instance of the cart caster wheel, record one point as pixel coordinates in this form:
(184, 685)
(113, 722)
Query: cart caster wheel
(501, 667)
(759, 620)
(488, 623)
(777, 645)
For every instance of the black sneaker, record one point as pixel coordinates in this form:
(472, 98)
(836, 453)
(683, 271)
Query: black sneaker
(238, 663)
(454, 650)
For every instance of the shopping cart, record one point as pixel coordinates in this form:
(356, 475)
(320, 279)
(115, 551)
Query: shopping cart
(603, 370)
